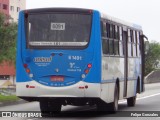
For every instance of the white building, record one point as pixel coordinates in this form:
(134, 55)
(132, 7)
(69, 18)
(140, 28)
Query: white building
(11, 8)
(14, 7)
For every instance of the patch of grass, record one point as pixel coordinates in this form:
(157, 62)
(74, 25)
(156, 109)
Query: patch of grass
(9, 98)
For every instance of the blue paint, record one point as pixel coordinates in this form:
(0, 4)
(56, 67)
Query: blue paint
(21, 75)
(43, 71)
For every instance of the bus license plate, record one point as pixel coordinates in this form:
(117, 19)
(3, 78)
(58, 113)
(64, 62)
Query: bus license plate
(57, 78)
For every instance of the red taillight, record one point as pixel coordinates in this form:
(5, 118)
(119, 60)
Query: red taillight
(81, 87)
(31, 86)
(89, 65)
(25, 65)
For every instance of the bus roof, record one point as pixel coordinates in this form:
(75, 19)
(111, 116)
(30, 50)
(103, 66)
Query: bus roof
(110, 18)
(85, 10)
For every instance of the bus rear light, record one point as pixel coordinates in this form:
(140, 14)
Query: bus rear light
(28, 70)
(31, 86)
(31, 75)
(25, 65)
(89, 65)
(81, 87)
(83, 76)
(86, 71)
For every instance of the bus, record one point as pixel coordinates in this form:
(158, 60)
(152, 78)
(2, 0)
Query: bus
(75, 56)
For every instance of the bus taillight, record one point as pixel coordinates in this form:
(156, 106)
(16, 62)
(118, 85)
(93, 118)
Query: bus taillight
(86, 71)
(25, 65)
(89, 65)
(28, 70)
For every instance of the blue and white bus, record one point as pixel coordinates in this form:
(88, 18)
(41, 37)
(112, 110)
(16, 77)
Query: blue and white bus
(68, 56)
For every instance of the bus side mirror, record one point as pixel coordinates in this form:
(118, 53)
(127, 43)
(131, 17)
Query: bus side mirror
(146, 46)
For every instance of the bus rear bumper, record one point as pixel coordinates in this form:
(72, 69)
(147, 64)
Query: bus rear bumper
(35, 90)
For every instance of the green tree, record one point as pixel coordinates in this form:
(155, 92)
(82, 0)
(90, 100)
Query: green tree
(152, 56)
(8, 36)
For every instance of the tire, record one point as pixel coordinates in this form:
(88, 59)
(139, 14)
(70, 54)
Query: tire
(44, 109)
(131, 101)
(49, 108)
(102, 106)
(113, 107)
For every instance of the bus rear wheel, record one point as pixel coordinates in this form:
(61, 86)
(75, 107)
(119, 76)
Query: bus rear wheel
(50, 108)
(113, 107)
(131, 101)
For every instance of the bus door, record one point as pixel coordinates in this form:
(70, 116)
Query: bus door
(125, 39)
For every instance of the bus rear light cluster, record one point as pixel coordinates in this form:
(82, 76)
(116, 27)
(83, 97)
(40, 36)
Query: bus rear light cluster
(28, 70)
(88, 68)
(86, 71)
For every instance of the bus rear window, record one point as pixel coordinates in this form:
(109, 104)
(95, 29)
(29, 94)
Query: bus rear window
(58, 30)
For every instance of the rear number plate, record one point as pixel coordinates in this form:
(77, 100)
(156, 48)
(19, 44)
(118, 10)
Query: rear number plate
(57, 78)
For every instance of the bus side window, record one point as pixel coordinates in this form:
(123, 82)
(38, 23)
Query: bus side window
(134, 45)
(116, 40)
(111, 46)
(111, 31)
(132, 41)
(138, 44)
(116, 32)
(120, 33)
(116, 47)
(121, 48)
(102, 31)
(108, 30)
(105, 47)
(111, 39)
(129, 43)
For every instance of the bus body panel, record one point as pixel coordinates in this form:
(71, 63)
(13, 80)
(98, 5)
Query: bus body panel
(64, 73)
(72, 69)
(21, 75)
(36, 89)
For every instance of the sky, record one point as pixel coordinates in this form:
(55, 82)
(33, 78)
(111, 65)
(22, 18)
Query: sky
(142, 12)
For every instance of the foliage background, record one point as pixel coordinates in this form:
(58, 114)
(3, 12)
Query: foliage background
(152, 57)
(8, 36)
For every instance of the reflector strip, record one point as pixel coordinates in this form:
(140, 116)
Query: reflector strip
(31, 86)
(81, 87)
